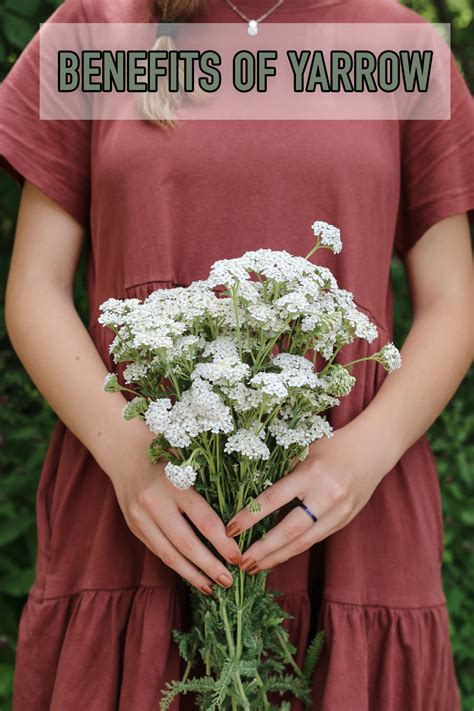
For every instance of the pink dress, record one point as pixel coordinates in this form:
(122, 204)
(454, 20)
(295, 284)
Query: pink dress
(95, 633)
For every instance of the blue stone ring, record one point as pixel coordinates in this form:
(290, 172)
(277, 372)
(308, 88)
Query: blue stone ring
(308, 511)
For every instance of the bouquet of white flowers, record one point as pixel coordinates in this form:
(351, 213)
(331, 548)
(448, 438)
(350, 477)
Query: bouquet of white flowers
(223, 379)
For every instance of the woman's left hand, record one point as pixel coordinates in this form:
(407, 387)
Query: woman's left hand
(335, 481)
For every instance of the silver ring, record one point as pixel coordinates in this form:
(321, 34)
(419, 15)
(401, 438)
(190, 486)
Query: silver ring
(308, 511)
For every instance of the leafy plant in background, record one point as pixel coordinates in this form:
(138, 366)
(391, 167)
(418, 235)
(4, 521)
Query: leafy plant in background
(26, 420)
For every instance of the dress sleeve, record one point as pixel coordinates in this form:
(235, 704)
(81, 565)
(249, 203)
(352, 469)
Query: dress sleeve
(53, 155)
(437, 168)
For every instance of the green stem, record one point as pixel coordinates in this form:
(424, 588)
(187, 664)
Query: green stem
(259, 679)
(240, 687)
(287, 654)
(316, 247)
(230, 642)
(187, 671)
(237, 322)
(359, 360)
(228, 632)
(238, 643)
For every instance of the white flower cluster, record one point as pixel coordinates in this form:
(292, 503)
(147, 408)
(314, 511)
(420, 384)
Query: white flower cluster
(199, 410)
(157, 415)
(296, 371)
(215, 359)
(242, 397)
(389, 357)
(115, 312)
(183, 346)
(338, 381)
(182, 476)
(248, 444)
(134, 372)
(160, 324)
(268, 291)
(222, 371)
(309, 429)
(271, 384)
(265, 317)
(279, 266)
(329, 235)
(221, 347)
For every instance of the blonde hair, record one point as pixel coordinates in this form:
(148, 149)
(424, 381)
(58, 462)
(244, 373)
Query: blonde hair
(159, 108)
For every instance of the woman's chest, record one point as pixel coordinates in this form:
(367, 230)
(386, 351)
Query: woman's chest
(175, 200)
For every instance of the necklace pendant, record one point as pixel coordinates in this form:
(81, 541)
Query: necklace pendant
(252, 28)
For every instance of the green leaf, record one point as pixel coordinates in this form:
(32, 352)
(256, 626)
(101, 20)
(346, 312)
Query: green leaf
(18, 583)
(13, 528)
(6, 679)
(312, 654)
(27, 8)
(467, 517)
(17, 30)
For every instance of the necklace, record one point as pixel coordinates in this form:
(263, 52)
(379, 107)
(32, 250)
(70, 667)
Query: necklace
(252, 25)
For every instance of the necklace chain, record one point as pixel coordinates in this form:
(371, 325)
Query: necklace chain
(253, 24)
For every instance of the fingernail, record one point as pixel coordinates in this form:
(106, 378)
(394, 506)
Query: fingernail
(224, 580)
(247, 564)
(254, 569)
(207, 590)
(232, 529)
(236, 559)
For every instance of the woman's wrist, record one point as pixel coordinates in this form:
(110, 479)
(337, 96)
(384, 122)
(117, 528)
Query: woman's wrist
(376, 438)
(116, 445)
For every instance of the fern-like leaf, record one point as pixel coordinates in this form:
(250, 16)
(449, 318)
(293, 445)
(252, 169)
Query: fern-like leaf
(312, 654)
(175, 688)
(222, 683)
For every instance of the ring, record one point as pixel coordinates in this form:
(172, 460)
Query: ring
(308, 511)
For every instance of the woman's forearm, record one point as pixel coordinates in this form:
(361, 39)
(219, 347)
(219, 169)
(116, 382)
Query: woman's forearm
(435, 357)
(56, 350)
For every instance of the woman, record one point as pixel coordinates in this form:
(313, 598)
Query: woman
(161, 206)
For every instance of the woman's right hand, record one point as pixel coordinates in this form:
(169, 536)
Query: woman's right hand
(70, 375)
(154, 511)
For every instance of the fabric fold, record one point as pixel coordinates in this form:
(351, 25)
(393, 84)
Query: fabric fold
(385, 659)
(373, 657)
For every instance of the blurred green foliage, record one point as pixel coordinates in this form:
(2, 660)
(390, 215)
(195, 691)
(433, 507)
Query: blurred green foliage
(26, 420)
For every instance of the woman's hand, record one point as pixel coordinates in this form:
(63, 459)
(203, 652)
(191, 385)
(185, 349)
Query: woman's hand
(335, 481)
(153, 509)
(339, 475)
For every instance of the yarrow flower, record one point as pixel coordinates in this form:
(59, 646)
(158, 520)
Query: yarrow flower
(115, 311)
(182, 476)
(199, 410)
(136, 407)
(228, 370)
(242, 397)
(338, 381)
(230, 382)
(111, 384)
(296, 371)
(329, 235)
(253, 506)
(271, 384)
(135, 372)
(311, 428)
(389, 357)
(248, 444)
(157, 415)
(221, 347)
